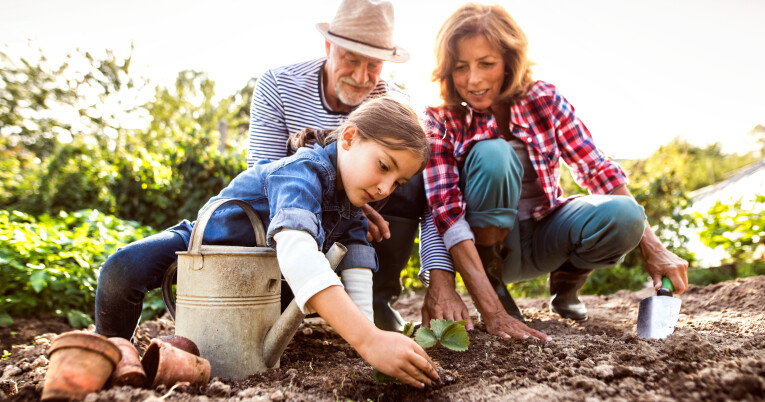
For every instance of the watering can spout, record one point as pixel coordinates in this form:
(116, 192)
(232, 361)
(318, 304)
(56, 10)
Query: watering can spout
(288, 323)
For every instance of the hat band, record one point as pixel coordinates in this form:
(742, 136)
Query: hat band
(393, 49)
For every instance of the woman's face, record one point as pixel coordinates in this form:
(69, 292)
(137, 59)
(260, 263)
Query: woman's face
(479, 72)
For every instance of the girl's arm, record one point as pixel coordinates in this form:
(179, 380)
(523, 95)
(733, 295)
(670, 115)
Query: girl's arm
(317, 288)
(390, 352)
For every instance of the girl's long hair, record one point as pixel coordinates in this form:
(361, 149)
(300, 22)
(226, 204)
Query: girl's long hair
(385, 120)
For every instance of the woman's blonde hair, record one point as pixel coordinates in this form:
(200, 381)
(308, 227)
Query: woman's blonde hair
(500, 29)
(385, 120)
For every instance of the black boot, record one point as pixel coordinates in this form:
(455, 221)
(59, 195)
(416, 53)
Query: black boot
(392, 255)
(565, 283)
(493, 259)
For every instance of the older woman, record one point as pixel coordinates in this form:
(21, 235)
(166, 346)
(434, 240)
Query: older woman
(493, 182)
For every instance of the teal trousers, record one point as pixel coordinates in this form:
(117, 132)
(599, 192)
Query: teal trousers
(589, 232)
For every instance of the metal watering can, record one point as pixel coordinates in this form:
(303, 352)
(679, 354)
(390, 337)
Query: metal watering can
(229, 300)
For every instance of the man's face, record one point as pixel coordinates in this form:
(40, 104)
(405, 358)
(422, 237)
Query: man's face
(350, 76)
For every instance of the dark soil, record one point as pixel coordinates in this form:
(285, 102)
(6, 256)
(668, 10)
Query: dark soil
(716, 353)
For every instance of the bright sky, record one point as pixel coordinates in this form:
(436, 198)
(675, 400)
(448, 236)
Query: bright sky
(639, 72)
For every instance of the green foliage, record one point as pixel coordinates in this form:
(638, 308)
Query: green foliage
(708, 276)
(738, 228)
(83, 97)
(191, 147)
(606, 281)
(51, 263)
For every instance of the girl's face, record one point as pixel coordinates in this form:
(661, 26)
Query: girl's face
(368, 171)
(479, 72)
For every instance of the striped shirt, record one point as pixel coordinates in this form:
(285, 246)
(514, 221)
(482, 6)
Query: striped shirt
(290, 98)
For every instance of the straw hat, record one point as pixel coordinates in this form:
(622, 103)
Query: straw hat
(365, 27)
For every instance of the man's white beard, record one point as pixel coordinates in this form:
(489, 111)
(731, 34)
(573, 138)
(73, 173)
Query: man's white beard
(351, 98)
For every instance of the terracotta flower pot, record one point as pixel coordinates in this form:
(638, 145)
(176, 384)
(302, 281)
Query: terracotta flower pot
(167, 365)
(129, 370)
(80, 363)
(182, 343)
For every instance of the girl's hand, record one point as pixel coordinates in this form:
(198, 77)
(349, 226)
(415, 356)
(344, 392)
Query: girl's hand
(398, 356)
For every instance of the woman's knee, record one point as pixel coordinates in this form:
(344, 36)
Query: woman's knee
(495, 161)
(628, 219)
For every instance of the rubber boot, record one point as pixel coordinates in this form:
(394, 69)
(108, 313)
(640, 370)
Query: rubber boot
(393, 256)
(565, 283)
(493, 259)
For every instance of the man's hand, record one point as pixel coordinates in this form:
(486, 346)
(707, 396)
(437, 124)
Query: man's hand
(378, 227)
(502, 324)
(399, 356)
(442, 301)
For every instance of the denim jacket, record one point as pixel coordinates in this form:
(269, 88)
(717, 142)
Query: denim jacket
(296, 192)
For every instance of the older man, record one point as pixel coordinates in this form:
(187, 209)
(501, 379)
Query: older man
(319, 94)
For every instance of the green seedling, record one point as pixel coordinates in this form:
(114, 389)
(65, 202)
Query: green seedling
(448, 333)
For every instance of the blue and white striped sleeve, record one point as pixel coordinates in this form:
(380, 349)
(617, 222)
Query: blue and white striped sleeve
(433, 252)
(268, 131)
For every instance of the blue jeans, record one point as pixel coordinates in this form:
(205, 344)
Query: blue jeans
(125, 278)
(593, 231)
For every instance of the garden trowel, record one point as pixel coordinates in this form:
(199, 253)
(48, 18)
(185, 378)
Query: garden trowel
(657, 315)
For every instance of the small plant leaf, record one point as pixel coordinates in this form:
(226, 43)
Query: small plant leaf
(455, 337)
(38, 280)
(438, 326)
(425, 337)
(5, 319)
(78, 319)
(408, 329)
(384, 378)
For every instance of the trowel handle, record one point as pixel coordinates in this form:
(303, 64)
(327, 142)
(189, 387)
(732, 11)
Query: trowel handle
(666, 288)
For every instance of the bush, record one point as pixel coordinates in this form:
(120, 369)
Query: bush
(51, 263)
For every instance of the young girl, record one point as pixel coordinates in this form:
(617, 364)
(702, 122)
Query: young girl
(307, 202)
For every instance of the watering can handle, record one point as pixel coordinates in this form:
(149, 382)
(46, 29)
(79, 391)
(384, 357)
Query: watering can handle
(196, 243)
(199, 228)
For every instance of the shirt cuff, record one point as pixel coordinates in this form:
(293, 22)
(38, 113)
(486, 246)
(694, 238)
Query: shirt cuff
(295, 219)
(458, 232)
(359, 256)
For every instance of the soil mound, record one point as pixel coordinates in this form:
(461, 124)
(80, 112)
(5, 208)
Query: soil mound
(716, 353)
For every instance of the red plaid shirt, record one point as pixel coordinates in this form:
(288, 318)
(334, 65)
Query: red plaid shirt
(545, 122)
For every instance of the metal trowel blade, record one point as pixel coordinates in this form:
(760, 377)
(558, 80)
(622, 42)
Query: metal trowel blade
(657, 316)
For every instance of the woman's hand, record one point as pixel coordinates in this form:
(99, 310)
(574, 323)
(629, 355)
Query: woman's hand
(502, 324)
(660, 262)
(398, 356)
(378, 227)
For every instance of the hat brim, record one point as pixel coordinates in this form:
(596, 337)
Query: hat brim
(397, 55)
